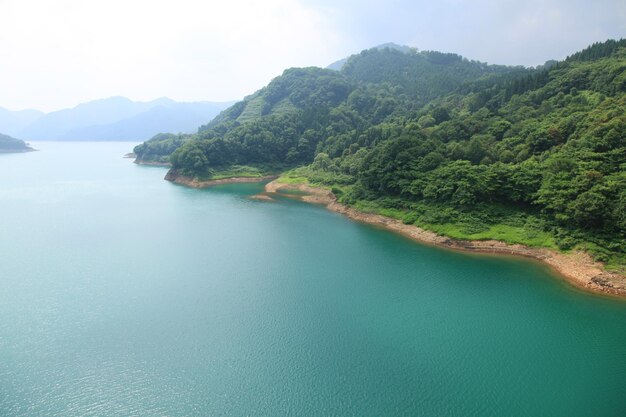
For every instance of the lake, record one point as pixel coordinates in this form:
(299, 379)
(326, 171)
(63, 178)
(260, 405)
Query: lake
(122, 294)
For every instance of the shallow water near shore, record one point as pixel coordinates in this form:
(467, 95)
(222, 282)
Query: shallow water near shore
(122, 294)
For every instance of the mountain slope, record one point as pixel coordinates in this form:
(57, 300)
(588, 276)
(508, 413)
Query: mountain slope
(54, 125)
(534, 157)
(173, 117)
(118, 118)
(284, 121)
(338, 65)
(297, 89)
(13, 122)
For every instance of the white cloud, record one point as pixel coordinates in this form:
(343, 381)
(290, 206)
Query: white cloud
(59, 53)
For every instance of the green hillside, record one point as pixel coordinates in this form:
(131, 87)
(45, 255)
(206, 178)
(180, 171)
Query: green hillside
(532, 156)
(284, 122)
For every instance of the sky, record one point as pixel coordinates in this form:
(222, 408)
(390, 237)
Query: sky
(56, 54)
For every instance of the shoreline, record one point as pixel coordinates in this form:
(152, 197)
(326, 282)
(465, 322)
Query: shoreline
(29, 149)
(150, 164)
(176, 178)
(577, 268)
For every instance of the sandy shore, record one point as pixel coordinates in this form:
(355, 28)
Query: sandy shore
(176, 178)
(577, 268)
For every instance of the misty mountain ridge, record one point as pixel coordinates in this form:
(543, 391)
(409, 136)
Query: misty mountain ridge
(338, 65)
(12, 122)
(165, 117)
(113, 118)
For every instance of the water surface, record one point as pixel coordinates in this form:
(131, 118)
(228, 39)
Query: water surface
(122, 294)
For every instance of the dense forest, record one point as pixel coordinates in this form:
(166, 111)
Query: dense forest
(534, 156)
(9, 144)
(285, 121)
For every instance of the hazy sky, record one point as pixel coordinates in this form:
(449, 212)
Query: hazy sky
(57, 53)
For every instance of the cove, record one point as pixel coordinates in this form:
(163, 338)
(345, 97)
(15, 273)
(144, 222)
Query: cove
(122, 294)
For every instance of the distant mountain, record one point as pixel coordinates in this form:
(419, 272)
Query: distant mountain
(114, 118)
(338, 65)
(53, 126)
(11, 145)
(13, 122)
(166, 117)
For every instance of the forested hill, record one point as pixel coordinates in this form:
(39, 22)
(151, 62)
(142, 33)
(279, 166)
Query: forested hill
(388, 76)
(289, 116)
(533, 156)
(10, 145)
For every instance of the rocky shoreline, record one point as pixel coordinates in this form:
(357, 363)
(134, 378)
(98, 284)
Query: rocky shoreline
(578, 268)
(177, 178)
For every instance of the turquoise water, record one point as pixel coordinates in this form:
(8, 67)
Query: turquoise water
(122, 294)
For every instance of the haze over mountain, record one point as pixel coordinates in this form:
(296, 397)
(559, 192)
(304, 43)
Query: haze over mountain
(114, 118)
(85, 59)
(12, 122)
(337, 65)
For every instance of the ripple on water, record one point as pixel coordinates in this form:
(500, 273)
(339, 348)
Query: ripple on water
(121, 294)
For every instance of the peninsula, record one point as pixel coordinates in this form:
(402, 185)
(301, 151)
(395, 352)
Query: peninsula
(528, 161)
(12, 145)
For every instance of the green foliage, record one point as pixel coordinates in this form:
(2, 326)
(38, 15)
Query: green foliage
(242, 171)
(159, 148)
(483, 222)
(420, 76)
(310, 110)
(557, 151)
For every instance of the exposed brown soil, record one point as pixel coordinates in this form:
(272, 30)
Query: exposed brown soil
(577, 268)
